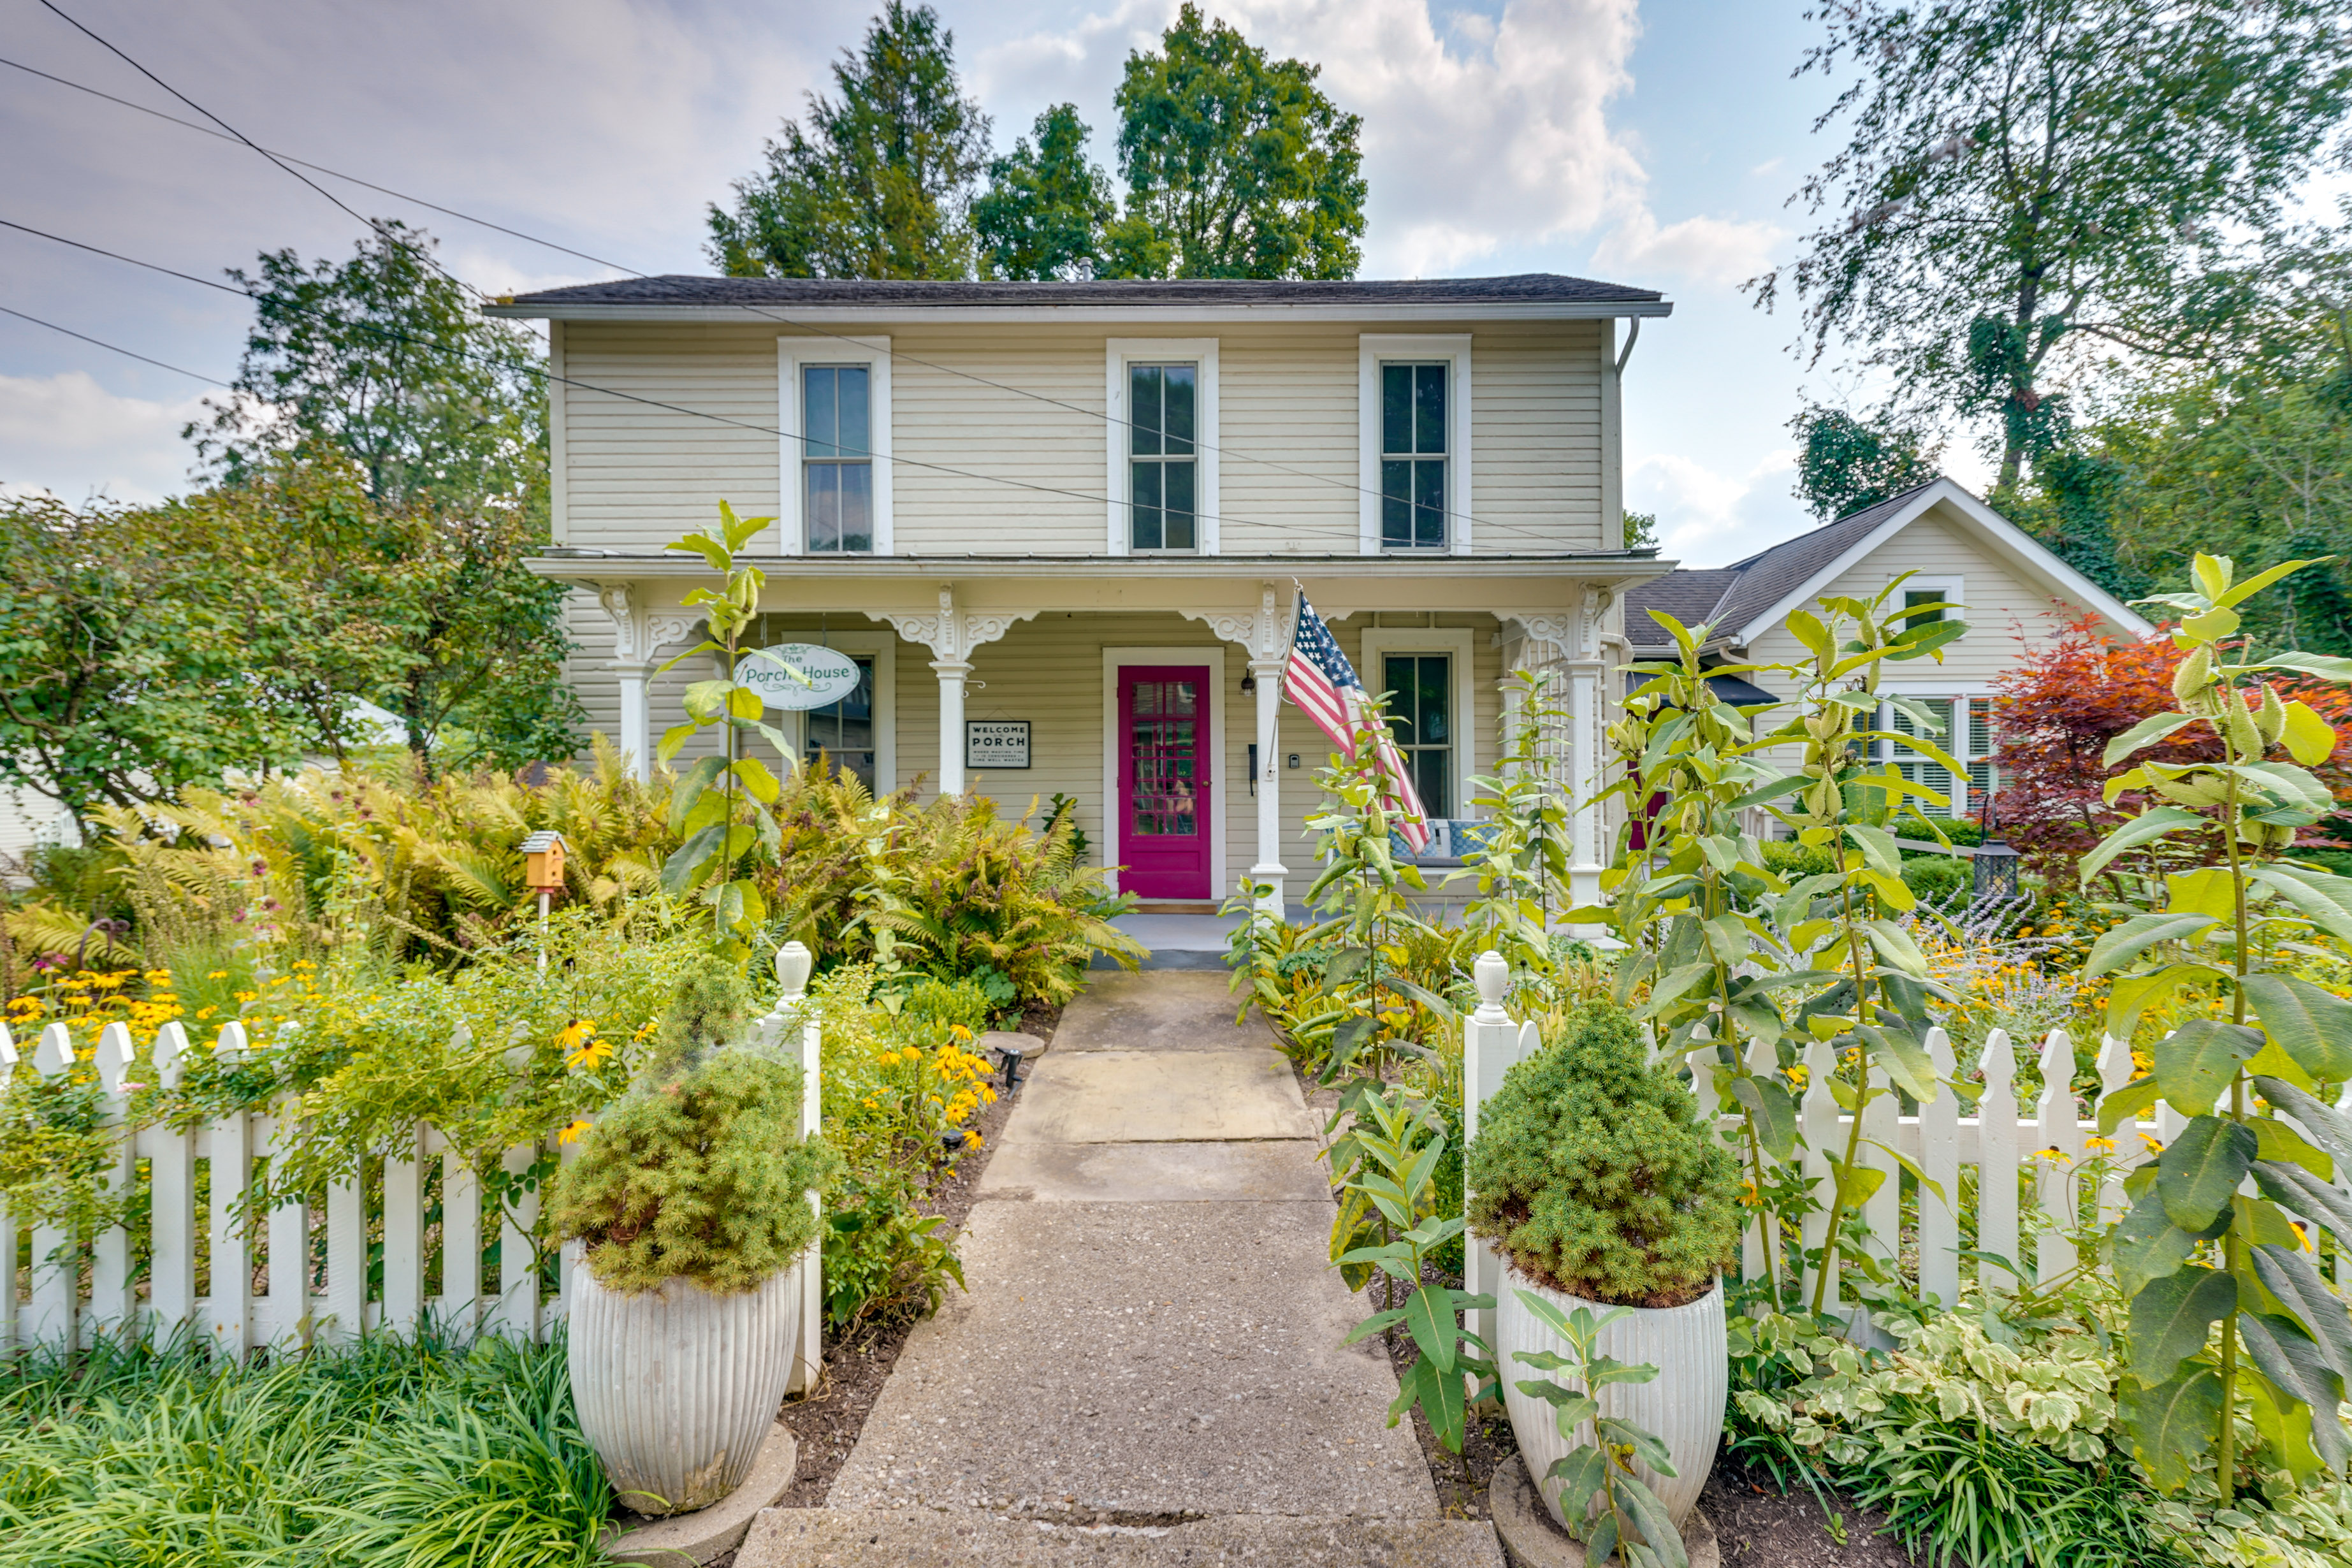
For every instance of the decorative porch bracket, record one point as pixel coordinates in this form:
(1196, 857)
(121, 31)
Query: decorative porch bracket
(952, 634)
(639, 633)
(1264, 633)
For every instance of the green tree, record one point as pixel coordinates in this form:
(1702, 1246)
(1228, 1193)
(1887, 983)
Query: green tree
(1045, 207)
(1236, 166)
(1846, 464)
(387, 358)
(2027, 182)
(878, 184)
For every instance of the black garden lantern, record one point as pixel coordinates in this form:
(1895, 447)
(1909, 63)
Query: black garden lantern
(1995, 864)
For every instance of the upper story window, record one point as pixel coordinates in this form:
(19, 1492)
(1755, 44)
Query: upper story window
(837, 465)
(1163, 488)
(1412, 455)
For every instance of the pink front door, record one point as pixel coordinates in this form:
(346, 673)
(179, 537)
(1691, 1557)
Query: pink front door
(1163, 781)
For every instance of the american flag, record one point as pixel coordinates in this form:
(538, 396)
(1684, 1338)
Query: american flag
(1323, 684)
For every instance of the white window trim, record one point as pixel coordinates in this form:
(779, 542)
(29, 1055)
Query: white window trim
(1118, 355)
(1379, 642)
(1951, 590)
(1371, 348)
(791, 354)
(882, 647)
(1959, 694)
(1113, 818)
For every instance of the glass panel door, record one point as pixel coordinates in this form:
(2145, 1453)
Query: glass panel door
(1163, 810)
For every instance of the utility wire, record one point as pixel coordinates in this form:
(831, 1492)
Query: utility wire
(283, 160)
(113, 348)
(322, 169)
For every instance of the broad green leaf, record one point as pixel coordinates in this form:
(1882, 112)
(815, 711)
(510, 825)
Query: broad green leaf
(2281, 1422)
(1568, 1407)
(1442, 1400)
(2293, 1186)
(2172, 1316)
(1878, 848)
(2254, 584)
(674, 737)
(1807, 628)
(2296, 1364)
(2148, 1245)
(688, 792)
(2147, 733)
(2172, 1425)
(1649, 1516)
(2272, 1062)
(2323, 898)
(706, 700)
(1646, 1445)
(2123, 1104)
(751, 907)
(2132, 995)
(2310, 1024)
(1430, 1317)
(1894, 945)
(2310, 739)
(1856, 1182)
(686, 863)
(2213, 573)
(1905, 1061)
(758, 781)
(2276, 1141)
(2200, 1169)
(1775, 1112)
(1580, 1472)
(775, 660)
(2145, 828)
(2318, 664)
(2295, 785)
(2136, 936)
(1601, 1370)
(2329, 1127)
(2196, 1062)
(2289, 1274)
(1373, 1325)
(746, 704)
(2207, 890)
(713, 552)
(1550, 1315)
(2212, 625)
(1920, 641)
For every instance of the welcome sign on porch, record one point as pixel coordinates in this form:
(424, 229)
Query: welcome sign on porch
(832, 675)
(996, 743)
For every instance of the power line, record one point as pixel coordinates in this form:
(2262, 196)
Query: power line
(113, 348)
(132, 260)
(322, 169)
(762, 311)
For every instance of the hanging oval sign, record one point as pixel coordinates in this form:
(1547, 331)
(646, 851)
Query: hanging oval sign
(831, 675)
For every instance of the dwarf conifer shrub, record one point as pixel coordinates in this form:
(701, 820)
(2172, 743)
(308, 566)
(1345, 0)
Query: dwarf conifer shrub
(1591, 1172)
(701, 1171)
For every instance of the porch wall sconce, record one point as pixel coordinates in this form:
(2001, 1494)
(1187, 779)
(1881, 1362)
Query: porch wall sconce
(1249, 680)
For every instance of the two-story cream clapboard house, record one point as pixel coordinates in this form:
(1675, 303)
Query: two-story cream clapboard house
(1946, 547)
(1048, 537)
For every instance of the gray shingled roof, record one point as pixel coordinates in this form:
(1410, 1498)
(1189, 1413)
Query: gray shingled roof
(1746, 589)
(1526, 289)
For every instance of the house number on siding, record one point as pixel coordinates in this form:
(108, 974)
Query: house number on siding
(996, 743)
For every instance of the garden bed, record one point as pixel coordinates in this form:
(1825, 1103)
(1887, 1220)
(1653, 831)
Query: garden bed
(827, 1427)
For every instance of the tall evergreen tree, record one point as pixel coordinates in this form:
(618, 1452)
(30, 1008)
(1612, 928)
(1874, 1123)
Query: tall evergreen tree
(878, 183)
(1046, 208)
(1236, 165)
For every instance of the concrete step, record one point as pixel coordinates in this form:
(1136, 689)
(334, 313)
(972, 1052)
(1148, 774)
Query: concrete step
(932, 1537)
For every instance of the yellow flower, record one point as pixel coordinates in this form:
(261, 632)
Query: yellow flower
(2052, 1154)
(2153, 1147)
(572, 1133)
(976, 1139)
(217, 974)
(2099, 1145)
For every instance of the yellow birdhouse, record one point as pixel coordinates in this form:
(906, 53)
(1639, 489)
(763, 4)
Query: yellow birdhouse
(542, 859)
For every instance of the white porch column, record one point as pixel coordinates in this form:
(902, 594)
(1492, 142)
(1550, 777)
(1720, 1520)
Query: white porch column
(951, 634)
(638, 633)
(951, 673)
(1266, 633)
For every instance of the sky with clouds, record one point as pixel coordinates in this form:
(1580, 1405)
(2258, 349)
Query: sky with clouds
(1653, 143)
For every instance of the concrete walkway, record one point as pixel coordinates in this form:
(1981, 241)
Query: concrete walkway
(1151, 1334)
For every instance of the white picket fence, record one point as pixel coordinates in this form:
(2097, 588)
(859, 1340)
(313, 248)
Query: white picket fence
(2049, 1140)
(301, 1274)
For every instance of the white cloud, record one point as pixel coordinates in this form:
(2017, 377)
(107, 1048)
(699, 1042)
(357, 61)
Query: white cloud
(1709, 518)
(1703, 249)
(126, 447)
(1469, 145)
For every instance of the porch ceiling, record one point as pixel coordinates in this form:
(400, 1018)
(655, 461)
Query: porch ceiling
(1339, 585)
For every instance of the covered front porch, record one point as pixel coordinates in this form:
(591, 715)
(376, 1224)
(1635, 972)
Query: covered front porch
(1143, 696)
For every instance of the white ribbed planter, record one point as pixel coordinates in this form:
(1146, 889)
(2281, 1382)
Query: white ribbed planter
(677, 1387)
(1683, 1404)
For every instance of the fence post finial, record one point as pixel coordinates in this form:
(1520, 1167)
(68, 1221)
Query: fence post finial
(1492, 976)
(55, 1054)
(794, 962)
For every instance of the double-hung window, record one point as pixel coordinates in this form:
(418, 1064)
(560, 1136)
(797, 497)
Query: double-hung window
(1413, 455)
(838, 460)
(1421, 715)
(1163, 459)
(1962, 727)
